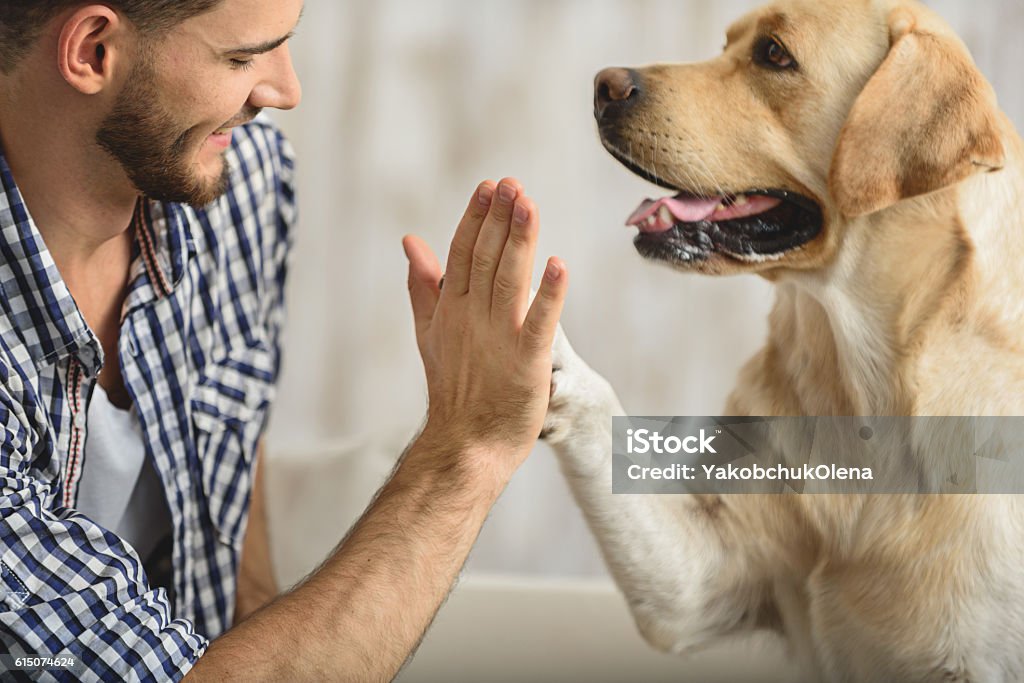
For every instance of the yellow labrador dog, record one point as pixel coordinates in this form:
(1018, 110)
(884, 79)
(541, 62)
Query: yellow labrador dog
(850, 152)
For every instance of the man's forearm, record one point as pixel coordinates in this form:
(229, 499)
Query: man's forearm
(360, 615)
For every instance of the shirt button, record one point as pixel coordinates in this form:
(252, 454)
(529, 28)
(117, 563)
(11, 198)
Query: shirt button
(80, 420)
(128, 341)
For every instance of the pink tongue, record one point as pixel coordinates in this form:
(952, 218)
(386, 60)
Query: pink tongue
(685, 210)
(649, 219)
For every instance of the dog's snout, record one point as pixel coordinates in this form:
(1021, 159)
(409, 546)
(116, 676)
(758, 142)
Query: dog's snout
(615, 89)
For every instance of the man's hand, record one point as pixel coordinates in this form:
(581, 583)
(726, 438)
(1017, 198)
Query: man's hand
(487, 354)
(486, 350)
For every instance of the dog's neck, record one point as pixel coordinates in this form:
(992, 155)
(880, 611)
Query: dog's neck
(952, 260)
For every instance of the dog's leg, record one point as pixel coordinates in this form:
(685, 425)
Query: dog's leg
(687, 579)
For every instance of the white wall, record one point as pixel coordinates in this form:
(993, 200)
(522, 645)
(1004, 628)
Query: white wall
(408, 104)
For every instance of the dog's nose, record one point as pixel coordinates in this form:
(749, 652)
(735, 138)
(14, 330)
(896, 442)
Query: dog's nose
(614, 89)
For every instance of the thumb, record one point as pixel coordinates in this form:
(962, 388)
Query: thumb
(424, 277)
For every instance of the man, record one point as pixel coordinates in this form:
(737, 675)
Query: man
(145, 218)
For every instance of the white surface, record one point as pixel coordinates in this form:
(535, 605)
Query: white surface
(502, 630)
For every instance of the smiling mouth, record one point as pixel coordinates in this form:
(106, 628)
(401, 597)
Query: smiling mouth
(752, 226)
(231, 125)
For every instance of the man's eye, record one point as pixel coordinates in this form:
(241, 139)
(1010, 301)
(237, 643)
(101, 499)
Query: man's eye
(243, 64)
(771, 53)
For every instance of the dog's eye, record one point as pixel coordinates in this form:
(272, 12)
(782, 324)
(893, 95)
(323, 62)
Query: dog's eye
(770, 52)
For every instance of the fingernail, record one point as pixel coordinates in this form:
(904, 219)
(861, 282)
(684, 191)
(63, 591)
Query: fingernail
(506, 192)
(520, 215)
(485, 195)
(554, 271)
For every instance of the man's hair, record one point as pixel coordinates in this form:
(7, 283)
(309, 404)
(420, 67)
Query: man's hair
(22, 20)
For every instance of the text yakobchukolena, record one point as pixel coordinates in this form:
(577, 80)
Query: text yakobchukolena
(729, 455)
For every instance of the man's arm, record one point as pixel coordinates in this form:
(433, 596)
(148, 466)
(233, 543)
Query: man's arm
(256, 584)
(487, 355)
(361, 614)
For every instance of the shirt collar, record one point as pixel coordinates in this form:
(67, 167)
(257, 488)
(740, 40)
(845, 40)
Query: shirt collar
(162, 249)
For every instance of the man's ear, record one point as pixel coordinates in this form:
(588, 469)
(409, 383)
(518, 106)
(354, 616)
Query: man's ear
(83, 53)
(926, 120)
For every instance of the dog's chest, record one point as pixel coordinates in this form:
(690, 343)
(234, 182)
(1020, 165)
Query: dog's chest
(903, 594)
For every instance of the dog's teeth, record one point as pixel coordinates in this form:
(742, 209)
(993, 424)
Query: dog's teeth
(741, 200)
(720, 207)
(665, 215)
(652, 221)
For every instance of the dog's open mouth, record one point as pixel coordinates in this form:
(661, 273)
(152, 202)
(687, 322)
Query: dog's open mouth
(752, 226)
(756, 225)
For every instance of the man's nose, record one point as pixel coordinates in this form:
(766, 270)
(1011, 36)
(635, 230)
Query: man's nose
(615, 91)
(281, 88)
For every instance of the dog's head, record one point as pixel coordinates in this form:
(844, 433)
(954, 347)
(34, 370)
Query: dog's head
(816, 113)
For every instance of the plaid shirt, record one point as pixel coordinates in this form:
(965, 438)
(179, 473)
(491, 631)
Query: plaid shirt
(199, 354)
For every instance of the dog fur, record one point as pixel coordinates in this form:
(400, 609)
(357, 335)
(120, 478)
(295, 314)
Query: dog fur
(909, 302)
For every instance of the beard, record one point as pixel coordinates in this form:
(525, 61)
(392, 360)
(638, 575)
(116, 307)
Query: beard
(146, 140)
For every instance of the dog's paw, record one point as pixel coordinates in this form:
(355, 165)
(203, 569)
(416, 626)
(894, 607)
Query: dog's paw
(579, 396)
(556, 421)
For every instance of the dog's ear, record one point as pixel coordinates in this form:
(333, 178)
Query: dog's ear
(927, 119)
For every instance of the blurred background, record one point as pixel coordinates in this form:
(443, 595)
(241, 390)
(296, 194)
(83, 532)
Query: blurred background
(407, 106)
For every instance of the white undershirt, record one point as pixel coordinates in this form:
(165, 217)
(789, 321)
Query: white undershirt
(120, 489)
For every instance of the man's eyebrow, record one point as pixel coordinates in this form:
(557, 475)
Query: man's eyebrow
(261, 48)
(268, 46)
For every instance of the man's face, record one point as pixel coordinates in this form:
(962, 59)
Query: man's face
(171, 123)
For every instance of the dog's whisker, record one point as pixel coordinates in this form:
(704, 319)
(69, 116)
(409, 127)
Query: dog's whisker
(716, 162)
(710, 180)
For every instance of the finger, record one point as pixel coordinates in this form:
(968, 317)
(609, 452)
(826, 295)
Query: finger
(511, 295)
(424, 275)
(460, 257)
(542, 319)
(491, 243)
